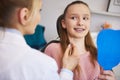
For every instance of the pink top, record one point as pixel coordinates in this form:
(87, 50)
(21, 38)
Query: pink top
(87, 70)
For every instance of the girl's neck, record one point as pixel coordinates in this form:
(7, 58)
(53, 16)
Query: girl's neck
(80, 43)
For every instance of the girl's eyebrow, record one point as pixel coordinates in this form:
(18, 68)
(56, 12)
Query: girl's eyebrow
(78, 14)
(86, 14)
(73, 14)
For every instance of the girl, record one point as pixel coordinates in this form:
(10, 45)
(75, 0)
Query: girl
(17, 60)
(73, 27)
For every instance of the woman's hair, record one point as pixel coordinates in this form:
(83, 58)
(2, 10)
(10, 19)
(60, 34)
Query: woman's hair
(64, 40)
(7, 8)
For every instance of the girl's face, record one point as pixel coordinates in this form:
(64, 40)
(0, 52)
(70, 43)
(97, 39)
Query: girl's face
(77, 21)
(35, 17)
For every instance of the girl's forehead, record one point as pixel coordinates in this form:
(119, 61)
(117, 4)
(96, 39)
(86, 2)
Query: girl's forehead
(78, 8)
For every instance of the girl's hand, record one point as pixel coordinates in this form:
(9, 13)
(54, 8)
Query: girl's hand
(107, 75)
(71, 57)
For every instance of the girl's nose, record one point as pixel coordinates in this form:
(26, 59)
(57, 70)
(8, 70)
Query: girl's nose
(80, 22)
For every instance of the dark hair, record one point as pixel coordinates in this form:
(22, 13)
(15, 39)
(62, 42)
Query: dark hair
(62, 33)
(7, 7)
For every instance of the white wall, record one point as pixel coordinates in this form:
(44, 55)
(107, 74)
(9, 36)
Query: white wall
(53, 8)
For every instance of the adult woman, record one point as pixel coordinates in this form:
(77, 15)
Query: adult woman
(17, 60)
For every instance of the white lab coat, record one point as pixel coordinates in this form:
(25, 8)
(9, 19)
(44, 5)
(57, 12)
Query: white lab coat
(20, 62)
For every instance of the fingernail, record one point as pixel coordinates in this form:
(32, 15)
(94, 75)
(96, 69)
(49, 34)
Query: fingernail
(69, 45)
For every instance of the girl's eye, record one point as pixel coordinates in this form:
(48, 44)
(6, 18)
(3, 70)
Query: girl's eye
(85, 18)
(40, 10)
(73, 18)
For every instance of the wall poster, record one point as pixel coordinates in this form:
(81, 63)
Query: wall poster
(114, 6)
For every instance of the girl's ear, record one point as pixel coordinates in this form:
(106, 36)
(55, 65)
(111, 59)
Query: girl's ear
(23, 16)
(63, 24)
